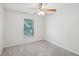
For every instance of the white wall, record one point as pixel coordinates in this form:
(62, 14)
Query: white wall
(1, 27)
(62, 29)
(14, 28)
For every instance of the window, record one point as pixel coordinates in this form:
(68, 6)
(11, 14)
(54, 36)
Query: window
(28, 27)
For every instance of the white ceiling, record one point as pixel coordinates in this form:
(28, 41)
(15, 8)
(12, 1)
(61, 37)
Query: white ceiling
(27, 7)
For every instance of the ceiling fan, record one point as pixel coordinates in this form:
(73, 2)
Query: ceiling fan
(43, 9)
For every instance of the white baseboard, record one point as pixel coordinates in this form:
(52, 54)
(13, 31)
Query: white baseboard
(64, 48)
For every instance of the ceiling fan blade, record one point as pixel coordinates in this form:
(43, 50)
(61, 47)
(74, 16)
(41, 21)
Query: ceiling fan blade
(51, 9)
(36, 11)
(33, 8)
(39, 6)
(42, 5)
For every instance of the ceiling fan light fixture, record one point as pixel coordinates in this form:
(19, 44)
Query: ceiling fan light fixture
(41, 13)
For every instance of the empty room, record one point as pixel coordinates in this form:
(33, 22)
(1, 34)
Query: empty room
(39, 29)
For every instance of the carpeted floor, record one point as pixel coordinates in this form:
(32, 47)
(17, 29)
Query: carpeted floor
(40, 48)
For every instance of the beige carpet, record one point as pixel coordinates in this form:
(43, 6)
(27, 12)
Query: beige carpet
(40, 48)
